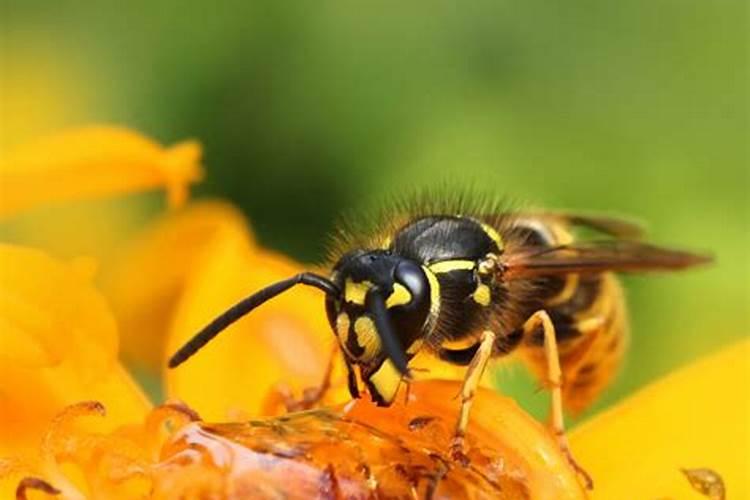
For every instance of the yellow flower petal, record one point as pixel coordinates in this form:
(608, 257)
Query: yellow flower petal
(93, 162)
(287, 340)
(145, 281)
(58, 345)
(698, 417)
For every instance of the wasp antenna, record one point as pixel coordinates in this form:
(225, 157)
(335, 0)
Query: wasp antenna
(243, 307)
(391, 344)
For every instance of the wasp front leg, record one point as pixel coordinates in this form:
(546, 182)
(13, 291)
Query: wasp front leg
(468, 389)
(554, 382)
(311, 396)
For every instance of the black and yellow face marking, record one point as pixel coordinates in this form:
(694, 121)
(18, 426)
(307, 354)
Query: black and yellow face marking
(407, 290)
(355, 330)
(355, 292)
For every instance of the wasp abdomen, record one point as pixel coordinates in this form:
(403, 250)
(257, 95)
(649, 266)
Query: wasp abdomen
(591, 331)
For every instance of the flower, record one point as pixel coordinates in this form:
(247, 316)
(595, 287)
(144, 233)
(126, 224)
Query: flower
(114, 446)
(74, 424)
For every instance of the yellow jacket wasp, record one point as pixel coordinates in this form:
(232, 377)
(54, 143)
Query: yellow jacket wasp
(488, 280)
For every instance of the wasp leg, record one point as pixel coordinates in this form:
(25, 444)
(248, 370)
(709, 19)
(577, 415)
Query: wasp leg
(311, 396)
(468, 389)
(554, 380)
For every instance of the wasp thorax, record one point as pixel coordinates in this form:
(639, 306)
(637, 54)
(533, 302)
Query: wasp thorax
(402, 284)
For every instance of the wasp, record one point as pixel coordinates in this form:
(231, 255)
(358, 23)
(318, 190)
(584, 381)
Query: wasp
(470, 282)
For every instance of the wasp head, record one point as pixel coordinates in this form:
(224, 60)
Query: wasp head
(381, 316)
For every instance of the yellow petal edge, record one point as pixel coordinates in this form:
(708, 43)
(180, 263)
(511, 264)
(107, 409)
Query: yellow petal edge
(95, 161)
(697, 417)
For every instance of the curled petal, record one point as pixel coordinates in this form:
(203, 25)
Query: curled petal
(34, 483)
(78, 460)
(93, 162)
(12, 471)
(54, 444)
(161, 423)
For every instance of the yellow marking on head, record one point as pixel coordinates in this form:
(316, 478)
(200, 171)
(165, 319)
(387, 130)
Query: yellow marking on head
(355, 292)
(482, 295)
(434, 299)
(447, 266)
(342, 328)
(386, 381)
(367, 337)
(493, 234)
(399, 297)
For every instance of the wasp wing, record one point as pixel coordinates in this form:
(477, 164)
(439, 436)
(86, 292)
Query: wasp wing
(612, 226)
(595, 257)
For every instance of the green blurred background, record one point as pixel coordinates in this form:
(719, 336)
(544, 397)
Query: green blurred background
(310, 109)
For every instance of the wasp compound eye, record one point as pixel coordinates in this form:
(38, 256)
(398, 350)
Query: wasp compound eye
(409, 302)
(411, 276)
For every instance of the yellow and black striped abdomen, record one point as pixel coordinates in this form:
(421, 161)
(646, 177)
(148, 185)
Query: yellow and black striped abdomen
(591, 320)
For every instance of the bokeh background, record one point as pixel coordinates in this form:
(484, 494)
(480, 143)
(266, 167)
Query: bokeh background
(310, 109)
